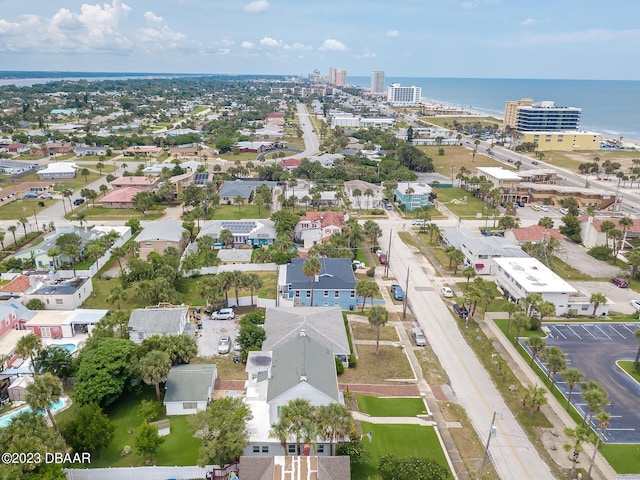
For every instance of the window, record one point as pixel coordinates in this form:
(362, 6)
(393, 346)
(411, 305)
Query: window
(336, 294)
(189, 405)
(58, 301)
(308, 293)
(147, 244)
(326, 293)
(45, 332)
(320, 449)
(256, 449)
(336, 304)
(297, 293)
(353, 294)
(7, 322)
(291, 449)
(264, 448)
(325, 304)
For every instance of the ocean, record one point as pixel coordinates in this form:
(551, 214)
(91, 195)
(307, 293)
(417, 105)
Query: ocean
(610, 107)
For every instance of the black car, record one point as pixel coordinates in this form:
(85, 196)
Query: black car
(78, 201)
(462, 311)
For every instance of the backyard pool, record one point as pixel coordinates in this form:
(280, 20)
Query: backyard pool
(67, 346)
(4, 421)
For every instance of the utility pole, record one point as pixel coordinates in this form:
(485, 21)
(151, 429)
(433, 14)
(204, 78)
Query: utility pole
(492, 431)
(406, 294)
(36, 219)
(386, 267)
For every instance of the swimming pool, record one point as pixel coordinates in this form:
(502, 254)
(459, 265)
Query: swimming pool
(67, 346)
(4, 421)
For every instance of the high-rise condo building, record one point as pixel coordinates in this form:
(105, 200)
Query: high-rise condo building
(511, 111)
(341, 78)
(332, 76)
(397, 95)
(377, 81)
(526, 116)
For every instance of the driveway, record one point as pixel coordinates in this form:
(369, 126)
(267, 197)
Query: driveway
(577, 256)
(211, 332)
(621, 296)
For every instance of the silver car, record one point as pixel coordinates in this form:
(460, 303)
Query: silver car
(223, 314)
(224, 345)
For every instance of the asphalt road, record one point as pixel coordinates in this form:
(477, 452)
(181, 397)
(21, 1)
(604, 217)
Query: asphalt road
(514, 457)
(311, 143)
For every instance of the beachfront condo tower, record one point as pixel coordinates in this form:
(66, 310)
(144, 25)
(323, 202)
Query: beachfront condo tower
(526, 116)
(377, 81)
(397, 95)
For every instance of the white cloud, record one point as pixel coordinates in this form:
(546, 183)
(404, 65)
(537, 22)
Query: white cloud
(247, 45)
(257, 7)
(393, 33)
(297, 46)
(333, 45)
(468, 5)
(527, 22)
(270, 42)
(152, 17)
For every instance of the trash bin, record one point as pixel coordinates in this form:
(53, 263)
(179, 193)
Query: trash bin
(352, 307)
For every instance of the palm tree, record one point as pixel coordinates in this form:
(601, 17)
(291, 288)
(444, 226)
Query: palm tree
(595, 397)
(572, 376)
(45, 390)
(434, 231)
(295, 414)
(154, 369)
(469, 272)
(310, 268)
(85, 173)
(253, 282)
(536, 344)
(28, 346)
(66, 193)
(12, 229)
(510, 309)
(603, 423)
(356, 193)
(334, 422)
(24, 221)
(534, 397)
(556, 361)
(579, 434)
(597, 299)
(2, 234)
(116, 294)
(226, 237)
(237, 282)
(378, 317)
(280, 431)
(521, 320)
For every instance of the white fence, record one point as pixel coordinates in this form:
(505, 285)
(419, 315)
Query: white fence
(95, 266)
(149, 473)
(244, 267)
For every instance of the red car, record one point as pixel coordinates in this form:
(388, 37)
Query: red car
(383, 259)
(620, 282)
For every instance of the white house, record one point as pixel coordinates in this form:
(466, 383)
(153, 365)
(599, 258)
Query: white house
(62, 294)
(58, 170)
(519, 277)
(318, 227)
(189, 388)
(363, 194)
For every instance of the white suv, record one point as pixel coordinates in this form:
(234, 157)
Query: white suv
(223, 314)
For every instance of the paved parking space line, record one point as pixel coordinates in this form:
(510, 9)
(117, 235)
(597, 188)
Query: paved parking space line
(573, 331)
(603, 332)
(630, 331)
(559, 331)
(621, 429)
(586, 330)
(616, 330)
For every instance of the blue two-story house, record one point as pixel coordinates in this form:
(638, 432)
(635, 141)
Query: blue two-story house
(335, 286)
(413, 195)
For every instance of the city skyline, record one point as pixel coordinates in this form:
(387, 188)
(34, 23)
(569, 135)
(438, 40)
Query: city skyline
(455, 38)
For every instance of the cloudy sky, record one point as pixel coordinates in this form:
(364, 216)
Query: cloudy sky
(578, 39)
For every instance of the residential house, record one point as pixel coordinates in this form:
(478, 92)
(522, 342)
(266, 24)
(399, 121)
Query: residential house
(58, 170)
(235, 256)
(335, 286)
(298, 368)
(592, 234)
(519, 277)
(413, 195)
(255, 233)
(16, 148)
(326, 159)
(234, 189)
(120, 198)
(142, 151)
(159, 235)
(532, 234)
(324, 325)
(11, 167)
(83, 151)
(189, 388)
(67, 294)
(480, 252)
(148, 184)
(290, 164)
(306, 467)
(256, 147)
(318, 227)
(363, 195)
(20, 284)
(64, 324)
(150, 321)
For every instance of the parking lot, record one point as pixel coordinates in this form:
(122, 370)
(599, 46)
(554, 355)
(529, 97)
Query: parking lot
(594, 348)
(620, 296)
(212, 331)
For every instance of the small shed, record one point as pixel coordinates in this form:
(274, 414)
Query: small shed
(18, 390)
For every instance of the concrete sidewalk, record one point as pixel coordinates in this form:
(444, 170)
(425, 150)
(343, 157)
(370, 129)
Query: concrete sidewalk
(363, 417)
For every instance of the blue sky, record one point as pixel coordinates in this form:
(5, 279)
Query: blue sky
(577, 39)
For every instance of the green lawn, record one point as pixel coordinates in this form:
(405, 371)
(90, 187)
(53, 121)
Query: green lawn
(399, 440)
(465, 210)
(178, 448)
(23, 208)
(624, 458)
(627, 366)
(391, 407)
(235, 212)
(101, 213)
(78, 182)
(504, 322)
(567, 272)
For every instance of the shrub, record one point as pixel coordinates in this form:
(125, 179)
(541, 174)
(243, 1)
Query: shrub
(371, 272)
(601, 252)
(149, 410)
(377, 211)
(352, 361)
(339, 366)
(441, 151)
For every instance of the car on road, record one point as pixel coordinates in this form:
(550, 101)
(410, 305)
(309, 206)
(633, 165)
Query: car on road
(419, 222)
(620, 282)
(30, 195)
(461, 310)
(544, 208)
(224, 345)
(383, 258)
(446, 292)
(520, 204)
(418, 337)
(396, 291)
(78, 201)
(564, 211)
(223, 314)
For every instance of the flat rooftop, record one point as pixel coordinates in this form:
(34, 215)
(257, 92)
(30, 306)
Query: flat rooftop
(533, 276)
(65, 287)
(499, 173)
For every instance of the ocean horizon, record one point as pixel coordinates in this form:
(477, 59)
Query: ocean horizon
(609, 107)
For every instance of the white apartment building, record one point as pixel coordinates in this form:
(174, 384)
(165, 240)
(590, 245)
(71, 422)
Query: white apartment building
(397, 95)
(377, 81)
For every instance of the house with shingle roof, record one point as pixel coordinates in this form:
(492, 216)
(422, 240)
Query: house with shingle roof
(143, 183)
(592, 234)
(256, 233)
(335, 286)
(241, 188)
(159, 235)
(189, 388)
(120, 198)
(318, 227)
(150, 321)
(361, 200)
(533, 234)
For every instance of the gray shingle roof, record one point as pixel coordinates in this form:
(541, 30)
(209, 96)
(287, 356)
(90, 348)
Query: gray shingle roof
(169, 230)
(157, 320)
(243, 188)
(491, 246)
(190, 383)
(324, 324)
(336, 274)
(303, 356)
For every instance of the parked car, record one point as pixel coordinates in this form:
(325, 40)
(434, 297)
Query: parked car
(223, 314)
(419, 222)
(46, 196)
(418, 337)
(446, 292)
(388, 206)
(461, 310)
(536, 208)
(224, 345)
(383, 259)
(620, 282)
(521, 204)
(236, 344)
(535, 162)
(358, 264)
(30, 195)
(544, 208)
(564, 211)
(635, 304)
(396, 291)
(78, 201)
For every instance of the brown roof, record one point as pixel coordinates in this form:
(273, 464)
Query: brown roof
(597, 223)
(326, 218)
(298, 467)
(19, 284)
(535, 233)
(132, 181)
(120, 195)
